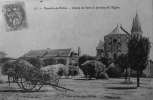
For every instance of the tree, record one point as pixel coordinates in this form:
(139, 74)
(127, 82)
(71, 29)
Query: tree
(122, 61)
(5, 59)
(84, 58)
(114, 72)
(138, 54)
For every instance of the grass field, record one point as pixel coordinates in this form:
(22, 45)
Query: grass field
(111, 89)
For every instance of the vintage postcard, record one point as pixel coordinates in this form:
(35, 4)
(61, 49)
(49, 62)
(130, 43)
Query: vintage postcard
(76, 49)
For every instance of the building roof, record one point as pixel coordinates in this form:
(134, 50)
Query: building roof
(100, 45)
(35, 53)
(119, 30)
(59, 52)
(49, 53)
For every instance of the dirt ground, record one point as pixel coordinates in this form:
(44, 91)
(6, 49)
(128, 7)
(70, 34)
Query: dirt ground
(111, 89)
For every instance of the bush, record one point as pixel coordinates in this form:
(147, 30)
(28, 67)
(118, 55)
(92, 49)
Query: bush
(73, 70)
(114, 72)
(106, 61)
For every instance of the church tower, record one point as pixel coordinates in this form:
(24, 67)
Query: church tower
(136, 27)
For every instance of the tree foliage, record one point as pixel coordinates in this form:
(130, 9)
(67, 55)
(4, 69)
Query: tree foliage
(114, 72)
(61, 61)
(49, 61)
(5, 59)
(84, 58)
(138, 53)
(122, 61)
(36, 62)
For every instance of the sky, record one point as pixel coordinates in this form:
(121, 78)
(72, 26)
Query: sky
(72, 28)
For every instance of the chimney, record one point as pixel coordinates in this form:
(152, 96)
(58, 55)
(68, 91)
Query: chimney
(60, 52)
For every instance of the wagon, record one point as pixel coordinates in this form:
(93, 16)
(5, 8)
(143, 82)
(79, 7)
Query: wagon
(30, 78)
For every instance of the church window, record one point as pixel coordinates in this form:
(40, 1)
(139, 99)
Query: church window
(119, 46)
(110, 40)
(119, 39)
(109, 46)
(114, 41)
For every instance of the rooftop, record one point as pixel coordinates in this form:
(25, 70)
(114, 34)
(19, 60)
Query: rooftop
(119, 30)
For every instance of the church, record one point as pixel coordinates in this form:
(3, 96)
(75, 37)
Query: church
(115, 43)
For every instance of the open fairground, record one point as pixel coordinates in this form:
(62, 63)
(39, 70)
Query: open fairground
(112, 89)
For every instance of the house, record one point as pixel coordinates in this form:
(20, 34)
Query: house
(149, 70)
(66, 54)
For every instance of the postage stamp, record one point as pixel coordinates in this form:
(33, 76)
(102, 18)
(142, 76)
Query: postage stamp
(15, 16)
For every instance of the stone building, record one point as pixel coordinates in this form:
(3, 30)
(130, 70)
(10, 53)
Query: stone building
(115, 43)
(66, 54)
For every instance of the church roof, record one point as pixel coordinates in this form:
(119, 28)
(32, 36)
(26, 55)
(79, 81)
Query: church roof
(119, 30)
(100, 45)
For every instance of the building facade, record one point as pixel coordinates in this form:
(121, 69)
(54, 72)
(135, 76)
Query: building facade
(66, 54)
(115, 43)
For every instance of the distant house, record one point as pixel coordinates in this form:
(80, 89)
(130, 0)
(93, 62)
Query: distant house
(149, 70)
(67, 54)
(2, 54)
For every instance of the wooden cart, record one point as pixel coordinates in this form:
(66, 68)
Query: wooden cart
(30, 78)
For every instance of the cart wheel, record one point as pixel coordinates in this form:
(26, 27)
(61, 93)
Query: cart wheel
(39, 83)
(54, 81)
(27, 84)
(19, 83)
